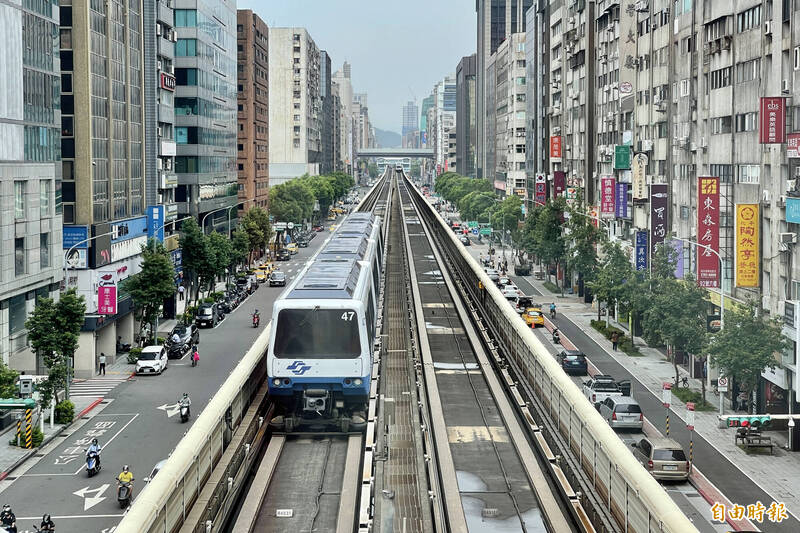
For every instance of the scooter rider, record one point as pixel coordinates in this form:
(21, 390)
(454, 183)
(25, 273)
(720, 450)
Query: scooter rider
(8, 519)
(256, 317)
(553, 310)
(556, 336)
(185, 400)
(175, 338)
(47, 524)
(126, 476)
(96, 448)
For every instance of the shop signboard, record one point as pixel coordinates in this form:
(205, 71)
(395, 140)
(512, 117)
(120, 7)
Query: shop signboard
(607, 197)
(747, 260)
(641, 250)
(659, 206)
(621, 201)
(555, 147)
(541, 189)
(559, 182)
(622, 157)
(638, 168)
(708, 231)
(793, 210)
(772, 120)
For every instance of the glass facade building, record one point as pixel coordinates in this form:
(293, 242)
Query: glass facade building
(206, 108)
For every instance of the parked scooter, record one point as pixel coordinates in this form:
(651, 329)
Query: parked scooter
(556, 336)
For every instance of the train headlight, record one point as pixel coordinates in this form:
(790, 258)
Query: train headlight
(276, 382)
(357, 382)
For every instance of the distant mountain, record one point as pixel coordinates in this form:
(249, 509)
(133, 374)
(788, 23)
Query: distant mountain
(388, 139)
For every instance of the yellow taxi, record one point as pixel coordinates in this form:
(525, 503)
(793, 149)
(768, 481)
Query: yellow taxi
(292, 248)
(261, 275)
(533, 317)
(332, 216)
(333, 227)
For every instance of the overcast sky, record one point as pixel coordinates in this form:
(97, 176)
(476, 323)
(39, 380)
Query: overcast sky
(395, 48)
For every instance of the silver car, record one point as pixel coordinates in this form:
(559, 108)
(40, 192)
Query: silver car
(622, 412)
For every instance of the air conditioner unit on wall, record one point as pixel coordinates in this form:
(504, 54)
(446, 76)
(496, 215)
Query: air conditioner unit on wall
(158, 29)
(768, 27)
(787, 238)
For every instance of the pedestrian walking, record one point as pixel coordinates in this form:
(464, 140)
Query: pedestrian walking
(102, 364)
(181, 290)
(614, 340)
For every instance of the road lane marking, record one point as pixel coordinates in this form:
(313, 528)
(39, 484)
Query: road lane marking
(109, 441)
(65, 517)
(90, 502)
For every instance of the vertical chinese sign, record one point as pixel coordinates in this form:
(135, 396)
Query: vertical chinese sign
(772, 120)
(641, 250)
(559, 182)
(621, 203)
(639, 179)
(708, 231)
(607, 197)
(555, 147)
(622, 157)
(658, 215)
(541, 189)
(747, 260)
(107, 293)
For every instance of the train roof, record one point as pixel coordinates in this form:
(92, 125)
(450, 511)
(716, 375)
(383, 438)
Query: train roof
(355, 245)
(327, 279)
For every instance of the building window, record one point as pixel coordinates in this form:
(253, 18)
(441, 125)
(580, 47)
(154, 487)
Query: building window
(186, 47)
(44, 250)
(746, 122)
(749, 174)
(720, 78)
(185, 18)
(19, 200)
(747, 20)
(797, 57)
(725, 172)
(685, 87)
(19, 256)
(16, 314)
(44, 198)
(749, 70)
(186, 76)
(720, 125)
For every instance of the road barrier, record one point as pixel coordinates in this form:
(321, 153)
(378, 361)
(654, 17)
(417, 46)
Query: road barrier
(623, 487)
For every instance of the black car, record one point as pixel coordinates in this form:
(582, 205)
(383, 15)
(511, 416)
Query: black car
(283, 255)
(302, 243)
(573, 361)
(188, 334)
(277, 279)
(244, 285)
(207, 315)
(464, 240)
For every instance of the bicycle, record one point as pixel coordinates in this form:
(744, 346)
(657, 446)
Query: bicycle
(682, 382)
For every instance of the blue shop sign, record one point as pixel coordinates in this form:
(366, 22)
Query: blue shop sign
(72, 235)
(129, 229)
(793, 210)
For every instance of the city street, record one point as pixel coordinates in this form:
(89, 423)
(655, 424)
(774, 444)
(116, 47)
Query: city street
(137, 425)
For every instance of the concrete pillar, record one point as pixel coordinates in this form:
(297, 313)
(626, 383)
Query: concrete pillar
(86, 356)
(106, 342)
(125, 329)
(5, 345)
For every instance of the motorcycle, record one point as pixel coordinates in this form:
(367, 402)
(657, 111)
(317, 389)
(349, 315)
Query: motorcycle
(256, 320)
(92, 463)
(176, 350)
(556, 337)
(552, 314)
(41, 530)
(184, 412)
(123, 494)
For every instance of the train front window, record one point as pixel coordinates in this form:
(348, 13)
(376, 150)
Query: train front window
(317, 334)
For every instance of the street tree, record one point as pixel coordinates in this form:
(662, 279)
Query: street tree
(155, 283)
(292, 201)
(372, 168)
(221, 251)
(255, 223)
(477, 205)
(8, 381)
(194, 249)
(547, 236)
(613, 273)
(53, 330)
(324, 190)
(583, 239)
(507, 214)
(748, 344)
(341, 183)
(240, 247)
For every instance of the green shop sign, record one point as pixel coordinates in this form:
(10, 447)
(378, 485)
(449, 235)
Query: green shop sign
(622, 157)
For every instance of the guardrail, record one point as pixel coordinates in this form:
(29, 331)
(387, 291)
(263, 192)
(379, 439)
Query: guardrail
(166, 502)
(628, 492)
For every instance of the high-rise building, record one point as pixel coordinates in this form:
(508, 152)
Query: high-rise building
(30, 172)
(509, 116)
(159, 37)
(295, 112)
(205, 110)
(253, 103)
(537, 54)
(341, 79)
(496, 20)
(102, 147)
(410, 114)
(327, 136)
(465, 116)
(427, 103)
(336, 117)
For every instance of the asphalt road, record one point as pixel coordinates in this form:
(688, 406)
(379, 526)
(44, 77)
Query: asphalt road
(135, 425)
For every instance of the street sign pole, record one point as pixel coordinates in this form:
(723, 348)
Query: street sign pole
(722, 388)
(690, 427)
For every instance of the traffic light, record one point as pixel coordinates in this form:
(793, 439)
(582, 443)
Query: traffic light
(754, 421)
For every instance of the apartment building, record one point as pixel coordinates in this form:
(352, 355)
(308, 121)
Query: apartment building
(344, 88)
(252, 149)
(510, 116)
(205, 110)
(466, 127)
(295, 110)
(328, 131)
(30, 172)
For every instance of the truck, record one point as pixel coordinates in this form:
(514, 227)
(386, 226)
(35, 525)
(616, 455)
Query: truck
(600, 387)
(521, 266)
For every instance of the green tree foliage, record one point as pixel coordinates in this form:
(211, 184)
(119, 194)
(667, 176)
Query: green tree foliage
(150, 287)
(748, 344)
(583, 239)
(255, 223)
(53, 330)
(546, 240)
(477, 205)
(372, 168)
(292, 201)
(221, 251)
(324, 190)
(194, 248)
(8, 379)
(240, 247)
(453, 187)
(507, 214)
(613, 274)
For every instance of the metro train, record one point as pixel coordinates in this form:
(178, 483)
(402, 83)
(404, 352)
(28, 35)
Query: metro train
(319, 359)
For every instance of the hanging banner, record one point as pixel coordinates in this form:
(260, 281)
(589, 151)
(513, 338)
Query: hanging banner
(622, 157)
(658, 215)
(747, 260)
(641, 250)
(555, 147)
(708, 231)
(541, 189)
(571, 195)
(793, 145)
(638, 169)
(772, 120)
(559, 182)
(607, 197)
(621, 202)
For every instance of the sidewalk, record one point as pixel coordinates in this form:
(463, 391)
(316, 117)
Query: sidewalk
(778, 475)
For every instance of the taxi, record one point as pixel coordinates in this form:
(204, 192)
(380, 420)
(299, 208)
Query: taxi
(533, 317)
(292, 247)
(333, 227)
(261, 275)
(332, 216)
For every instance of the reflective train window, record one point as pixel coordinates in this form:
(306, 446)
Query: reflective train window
(317, 334)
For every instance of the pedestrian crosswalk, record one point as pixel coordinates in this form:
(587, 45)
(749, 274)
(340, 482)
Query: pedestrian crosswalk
(95, 387)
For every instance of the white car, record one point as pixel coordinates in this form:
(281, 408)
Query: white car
(152, 360)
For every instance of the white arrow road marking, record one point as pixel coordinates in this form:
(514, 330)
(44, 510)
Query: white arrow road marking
(171, 409)
(90, 502)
